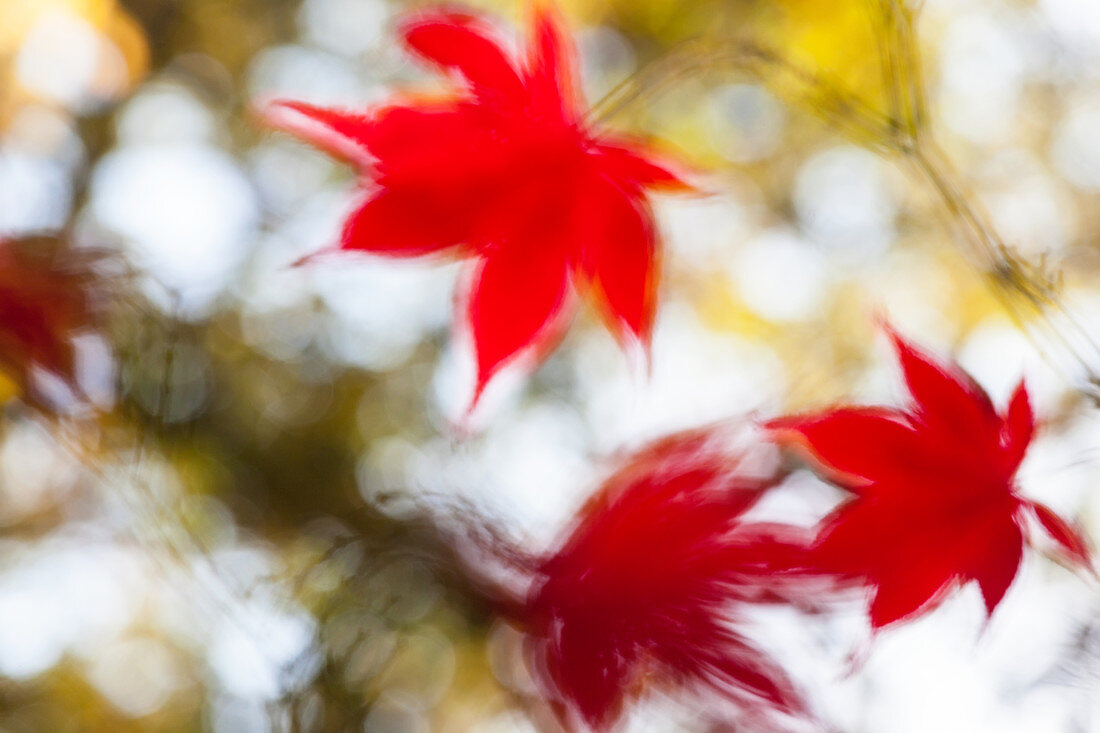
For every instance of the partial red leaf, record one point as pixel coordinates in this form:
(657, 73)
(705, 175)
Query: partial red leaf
(465, 44)
(49, 293)
(514, 304)
(397, 224)
(445, 147)
(735, 665)
(628, 165)
(997, 565)
(1018, 427)
(902, 593)
(551, 72)
(856, 539)
(620, 260)
(340, 133)
(947, 398)
(1071, 541)
(867, 444)
(588, 673)
(430, 143)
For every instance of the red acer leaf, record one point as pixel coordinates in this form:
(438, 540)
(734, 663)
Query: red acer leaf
(935, 502)
(645, 588)
(506, 172)
(48, 294)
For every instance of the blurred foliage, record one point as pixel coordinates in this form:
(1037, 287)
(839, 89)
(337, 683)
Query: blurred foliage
(212, 447)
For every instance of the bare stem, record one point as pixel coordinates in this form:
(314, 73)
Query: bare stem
(1029, 293)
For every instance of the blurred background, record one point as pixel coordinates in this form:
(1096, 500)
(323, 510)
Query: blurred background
(220, 518)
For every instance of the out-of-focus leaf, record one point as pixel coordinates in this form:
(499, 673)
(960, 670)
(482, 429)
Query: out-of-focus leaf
(49, 293)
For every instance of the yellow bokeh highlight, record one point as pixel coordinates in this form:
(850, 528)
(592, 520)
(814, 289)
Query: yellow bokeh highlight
(106, 17)
(840, 38)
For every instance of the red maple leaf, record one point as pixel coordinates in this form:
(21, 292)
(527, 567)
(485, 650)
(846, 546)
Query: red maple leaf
(48, 294)
(509, 174)
(935, 504)
(645, 588)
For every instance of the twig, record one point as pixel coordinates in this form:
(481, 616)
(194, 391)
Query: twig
(1030, 294)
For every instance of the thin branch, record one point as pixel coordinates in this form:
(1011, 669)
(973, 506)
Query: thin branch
(1030, 294)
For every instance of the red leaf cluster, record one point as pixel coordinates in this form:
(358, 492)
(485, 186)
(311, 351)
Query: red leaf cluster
(509, 174)
(935, 504)
(647, 584)
(647, 588)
